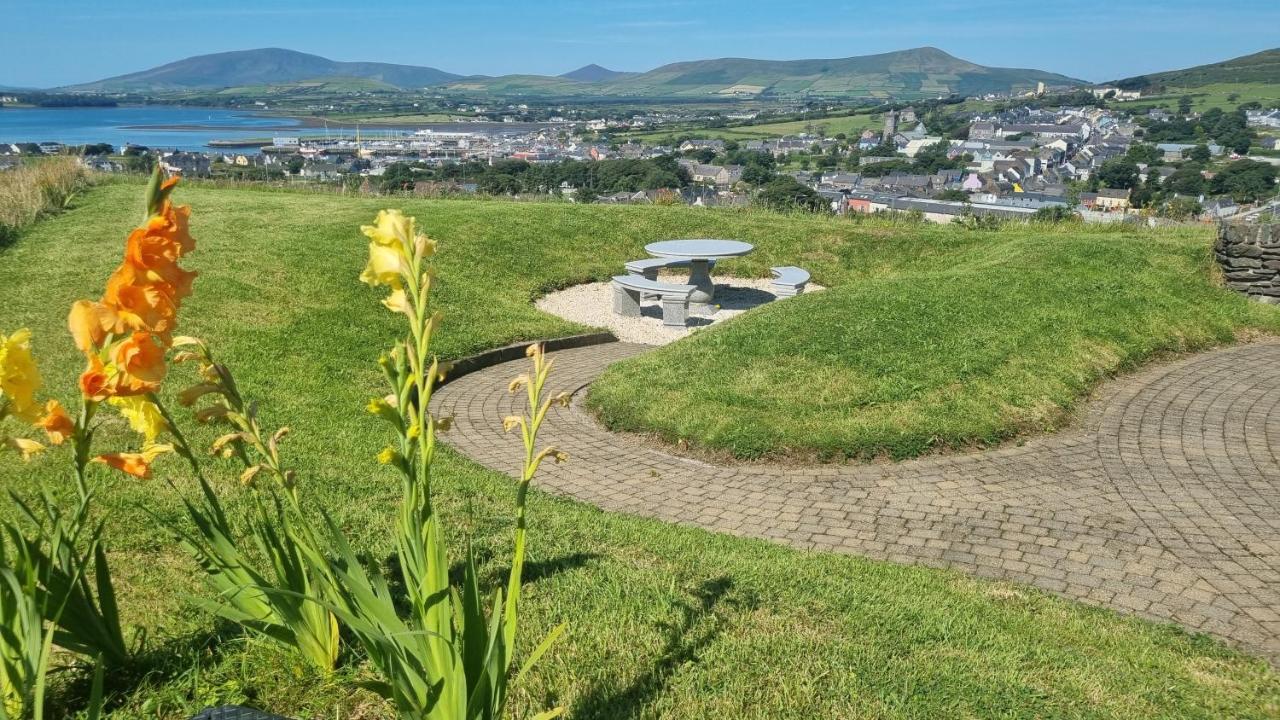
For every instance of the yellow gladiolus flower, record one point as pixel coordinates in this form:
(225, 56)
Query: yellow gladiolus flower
(397, 301)
(143, 415)
(424, 246)
(19, 376)
(390, 228)
(386, 266)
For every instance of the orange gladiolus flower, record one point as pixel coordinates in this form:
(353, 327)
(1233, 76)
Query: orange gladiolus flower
(125, 336)
(94, 383)
(140, 365)
(57, 424)
(140, 305)
(90, 323)
(156, 255)
(173, 223)
(136, 464)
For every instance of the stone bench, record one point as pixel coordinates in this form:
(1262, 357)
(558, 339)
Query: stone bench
(649, 267)
(789, 281)
(627, 290)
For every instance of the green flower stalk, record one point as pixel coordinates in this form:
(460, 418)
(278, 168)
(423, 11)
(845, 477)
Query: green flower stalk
(451, 658)
(273, 598)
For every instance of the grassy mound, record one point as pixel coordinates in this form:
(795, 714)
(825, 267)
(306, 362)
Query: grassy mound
(664, 621)
(932, 338)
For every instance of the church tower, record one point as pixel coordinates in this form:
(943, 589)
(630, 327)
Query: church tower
(890, 126)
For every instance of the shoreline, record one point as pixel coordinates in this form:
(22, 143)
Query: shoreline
(276, 121)
(314, 123)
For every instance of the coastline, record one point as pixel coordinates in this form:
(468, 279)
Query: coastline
(262, 124)
(314, 123)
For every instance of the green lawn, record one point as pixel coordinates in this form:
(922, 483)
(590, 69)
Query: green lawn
(665, 621)
(931, 338)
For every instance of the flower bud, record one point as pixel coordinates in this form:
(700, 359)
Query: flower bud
(246, 477)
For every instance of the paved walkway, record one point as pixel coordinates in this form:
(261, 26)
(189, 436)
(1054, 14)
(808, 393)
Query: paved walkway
(1164, 503)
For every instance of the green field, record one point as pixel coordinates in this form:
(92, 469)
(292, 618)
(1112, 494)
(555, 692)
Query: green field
(850, 125)
(665, 621)
(1220, 95)
(395, 119)
(318, 87)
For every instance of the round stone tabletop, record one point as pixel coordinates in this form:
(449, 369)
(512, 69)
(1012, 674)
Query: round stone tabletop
(704, 248)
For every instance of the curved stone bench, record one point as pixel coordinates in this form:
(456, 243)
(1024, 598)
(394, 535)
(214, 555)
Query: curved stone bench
(649, 267)
(627, 290)
(789, 281)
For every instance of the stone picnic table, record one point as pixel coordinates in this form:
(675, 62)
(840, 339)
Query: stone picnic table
(700, 252)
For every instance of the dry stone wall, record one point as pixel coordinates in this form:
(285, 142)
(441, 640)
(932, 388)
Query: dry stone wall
(1250, 259)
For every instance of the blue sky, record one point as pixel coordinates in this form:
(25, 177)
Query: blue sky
(69, 41)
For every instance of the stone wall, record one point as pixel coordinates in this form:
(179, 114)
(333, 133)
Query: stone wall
(1250, 259)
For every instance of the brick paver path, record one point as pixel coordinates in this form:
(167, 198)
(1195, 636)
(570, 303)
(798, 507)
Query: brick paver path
(1164, 503)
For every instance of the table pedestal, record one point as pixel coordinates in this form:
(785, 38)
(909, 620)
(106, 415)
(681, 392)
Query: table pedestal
(700, 277)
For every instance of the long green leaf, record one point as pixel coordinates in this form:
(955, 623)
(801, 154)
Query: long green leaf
(541, 650)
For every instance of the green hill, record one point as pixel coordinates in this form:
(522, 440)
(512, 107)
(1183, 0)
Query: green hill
(594, 73)
(915, 73)
(266, 66)
(1261, 67)
(918, 72)
(522, 85)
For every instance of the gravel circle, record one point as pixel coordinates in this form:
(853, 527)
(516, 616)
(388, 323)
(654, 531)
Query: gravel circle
(592, 304)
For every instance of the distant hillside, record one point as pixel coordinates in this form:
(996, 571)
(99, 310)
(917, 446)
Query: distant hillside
(921, 72)
(917, 73)
(267, 66)
(594, 73)
(1262, 67)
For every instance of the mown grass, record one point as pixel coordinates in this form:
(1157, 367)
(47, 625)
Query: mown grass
(665, 621)
(929, 339)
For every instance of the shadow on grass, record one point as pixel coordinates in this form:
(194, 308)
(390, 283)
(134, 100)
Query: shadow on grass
(8, 236)
(490, 576)
(686, 638)
(172, 661)
(543, 569)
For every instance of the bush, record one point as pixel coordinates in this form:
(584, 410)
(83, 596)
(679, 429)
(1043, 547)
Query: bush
(785, 193)
(1055, 214)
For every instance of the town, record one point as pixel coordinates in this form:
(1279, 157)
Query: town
(1022, 157)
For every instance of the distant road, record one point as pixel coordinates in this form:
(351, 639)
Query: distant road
(1247, 216)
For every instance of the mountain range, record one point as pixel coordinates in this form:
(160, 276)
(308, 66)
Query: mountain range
(1260, 67)
(914, 73)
